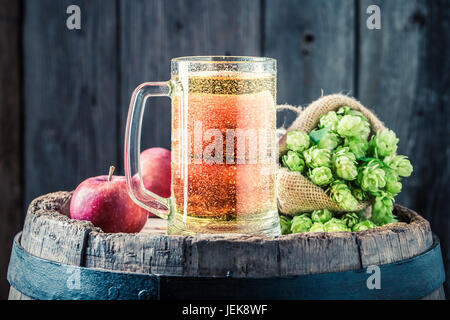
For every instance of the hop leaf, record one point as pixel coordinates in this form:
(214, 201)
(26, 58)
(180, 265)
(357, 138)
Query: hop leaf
(350, 219)
(329, 120)
(315, 157)
(400, 164)
(371, 177)
(393, 185)
(330, 141)
(384, 143)
(357, 146)
(301, 223)
(353, 126)
(316, 135)
(321, 176)
(321, 216)
(317, 227)
(285, 224)
(335, 225)
(344, 164)
(382, 209)
(297, 141)
(341, 194)
(294, 161)
(363, 225)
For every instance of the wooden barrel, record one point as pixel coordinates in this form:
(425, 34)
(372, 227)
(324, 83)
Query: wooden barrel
(56, 257)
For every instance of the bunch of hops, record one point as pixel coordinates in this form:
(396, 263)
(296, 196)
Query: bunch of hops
(325, 221)
(343, 158)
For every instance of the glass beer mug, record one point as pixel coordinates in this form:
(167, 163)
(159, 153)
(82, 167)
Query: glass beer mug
(224, 152)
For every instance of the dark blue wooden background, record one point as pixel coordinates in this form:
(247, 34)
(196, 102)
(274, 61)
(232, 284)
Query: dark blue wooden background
(64, 94)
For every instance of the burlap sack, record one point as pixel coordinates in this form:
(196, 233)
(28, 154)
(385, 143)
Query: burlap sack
(296, 193)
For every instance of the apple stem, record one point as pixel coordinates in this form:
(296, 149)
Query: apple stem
(111, 171)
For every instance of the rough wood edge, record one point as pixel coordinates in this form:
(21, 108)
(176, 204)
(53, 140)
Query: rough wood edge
(56, 206)
(47, 219)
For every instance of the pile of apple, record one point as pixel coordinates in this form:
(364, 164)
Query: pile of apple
(105, 202)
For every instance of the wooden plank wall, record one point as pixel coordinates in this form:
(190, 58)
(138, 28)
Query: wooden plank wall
(71, 90)
(403, 76)
(313, 42)
(77, 84)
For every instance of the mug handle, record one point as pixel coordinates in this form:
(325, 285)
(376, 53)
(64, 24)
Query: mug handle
(145, 198)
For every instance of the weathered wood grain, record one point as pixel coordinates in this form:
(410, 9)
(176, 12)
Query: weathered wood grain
(70, 94)
(45, 224)
(11, 186)
(318, 253)
(403, 76)
(399, 241)
(50, 234)
(236, 255)
(313, 42)
(138, 253)
(153, 32)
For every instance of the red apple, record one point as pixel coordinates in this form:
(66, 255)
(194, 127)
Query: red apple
(155, 166)
(105, 202)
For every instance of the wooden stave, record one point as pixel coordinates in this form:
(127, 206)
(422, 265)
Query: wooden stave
(85, 245)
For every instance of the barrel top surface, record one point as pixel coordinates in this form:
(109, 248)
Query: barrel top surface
(50, 234)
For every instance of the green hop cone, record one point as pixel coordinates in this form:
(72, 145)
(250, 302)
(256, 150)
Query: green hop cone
(321, 216)
(363, 225)
(357, 113)
(335, 225)
(400, 164)
(315, 157)
(347, 111)
(343, 152)
(297, 141)
(359, 194)
(371, 177)
(393, 185)
(345, 169)
(342, 195)
(285, 224)
(384, 143)
(329, 120)
(321, 176)
(343, 111)
(353, 126)
(344, 164)
(350, 219)
(301, 223)
(382, 209)
(330, 141)
(357, 146)
(317, 227)
(294, 161)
